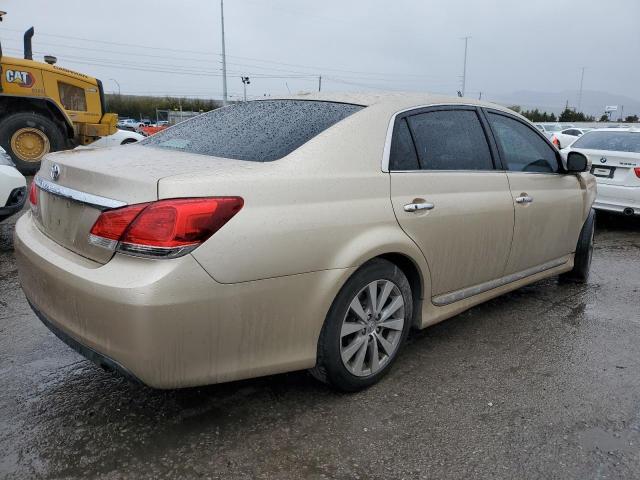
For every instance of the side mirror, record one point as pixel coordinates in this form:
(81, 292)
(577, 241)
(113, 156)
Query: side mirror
(577, 162)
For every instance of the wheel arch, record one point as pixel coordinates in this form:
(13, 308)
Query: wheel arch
(412, 264)
(43, 106)
(415, 277)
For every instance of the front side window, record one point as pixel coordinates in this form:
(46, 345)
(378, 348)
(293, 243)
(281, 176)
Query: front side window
(258, 131)
(612, 141)
(72, 97)
(521, 147)
(450, 140)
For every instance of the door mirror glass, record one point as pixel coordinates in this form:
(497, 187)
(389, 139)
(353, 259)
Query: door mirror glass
(577, 162)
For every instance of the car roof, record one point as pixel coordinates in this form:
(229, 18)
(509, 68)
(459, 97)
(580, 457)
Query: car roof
(392, 100)
(619, 129)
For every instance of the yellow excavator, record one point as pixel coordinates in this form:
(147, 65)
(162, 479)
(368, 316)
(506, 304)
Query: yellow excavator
(45, 108)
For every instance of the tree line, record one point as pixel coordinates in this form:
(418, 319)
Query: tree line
(567, 115)
(143, 106)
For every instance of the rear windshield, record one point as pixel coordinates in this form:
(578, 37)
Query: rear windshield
(613, 141)
(259, 131)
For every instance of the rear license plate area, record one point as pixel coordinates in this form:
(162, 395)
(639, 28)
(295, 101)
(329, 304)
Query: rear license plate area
(603, 172)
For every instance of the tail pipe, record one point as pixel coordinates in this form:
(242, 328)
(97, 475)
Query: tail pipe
(28, 52)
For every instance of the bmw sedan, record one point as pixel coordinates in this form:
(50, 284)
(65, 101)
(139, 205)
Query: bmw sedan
(615, 157)
(309, 232)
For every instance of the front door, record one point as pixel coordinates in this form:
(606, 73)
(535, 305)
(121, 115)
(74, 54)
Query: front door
(548, 203)
(448, 196)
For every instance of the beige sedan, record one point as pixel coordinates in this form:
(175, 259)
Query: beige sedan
(307, 232)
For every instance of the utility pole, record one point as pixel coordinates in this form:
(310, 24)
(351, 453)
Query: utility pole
(245, 82)
(319, 83)
(581, 85)
(464, 70)
(224, 57)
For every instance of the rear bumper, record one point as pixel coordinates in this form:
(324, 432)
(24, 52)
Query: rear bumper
(168, 323)
(16, 201)
(13, 191)
(89, 353)
(615, 198)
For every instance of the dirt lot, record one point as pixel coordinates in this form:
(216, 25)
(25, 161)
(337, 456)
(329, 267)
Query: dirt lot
(541, 383)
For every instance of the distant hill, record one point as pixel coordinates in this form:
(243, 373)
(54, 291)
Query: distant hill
(593, 102)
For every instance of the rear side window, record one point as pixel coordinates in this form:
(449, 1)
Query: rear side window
(259, 131)
(613, 141)
(72, 97)
(403, 152)
(521, 147)
(450, 140)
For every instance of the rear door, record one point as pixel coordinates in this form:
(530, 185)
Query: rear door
(547, 202)
(448, 196)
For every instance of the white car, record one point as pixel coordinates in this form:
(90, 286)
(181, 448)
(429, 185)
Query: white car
(566, 137)
(130, 124)
(615, 162)
(550, 128)
(121, 137)
(13, 187)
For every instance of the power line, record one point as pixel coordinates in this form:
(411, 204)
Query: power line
(196, 52)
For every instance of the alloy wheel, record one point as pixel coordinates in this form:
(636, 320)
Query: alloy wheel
(372, 328)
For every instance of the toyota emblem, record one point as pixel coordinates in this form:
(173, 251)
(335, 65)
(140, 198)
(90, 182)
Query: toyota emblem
(54, 172)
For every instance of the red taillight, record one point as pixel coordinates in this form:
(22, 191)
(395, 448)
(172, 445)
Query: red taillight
(33, 194)
(555, 141)
(166, 228)
(112, 223)
(637, 170)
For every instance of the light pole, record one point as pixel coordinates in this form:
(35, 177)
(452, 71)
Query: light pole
(224, 57)
(245, 82)
(464, 69)
(116, 84)
(580, 92)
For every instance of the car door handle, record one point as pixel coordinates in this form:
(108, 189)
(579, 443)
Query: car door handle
(524, 198)
(416, 207)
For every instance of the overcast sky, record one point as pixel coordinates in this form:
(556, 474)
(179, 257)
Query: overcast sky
(173, 47)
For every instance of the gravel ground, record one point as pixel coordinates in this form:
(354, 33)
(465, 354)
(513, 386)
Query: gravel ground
(540, 383)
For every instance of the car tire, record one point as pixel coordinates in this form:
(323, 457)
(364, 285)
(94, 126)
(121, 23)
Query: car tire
(40, 128)
(358, 345)
(584, 252)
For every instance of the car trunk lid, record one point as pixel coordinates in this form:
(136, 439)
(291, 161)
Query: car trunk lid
(614, 168)
(76, 186)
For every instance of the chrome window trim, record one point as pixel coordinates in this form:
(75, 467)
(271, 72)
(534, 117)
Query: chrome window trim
(387, 144)
(464, 293)
(102, 203)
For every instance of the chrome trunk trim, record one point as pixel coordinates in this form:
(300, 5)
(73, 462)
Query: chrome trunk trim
(102, 203)
(456, 296)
